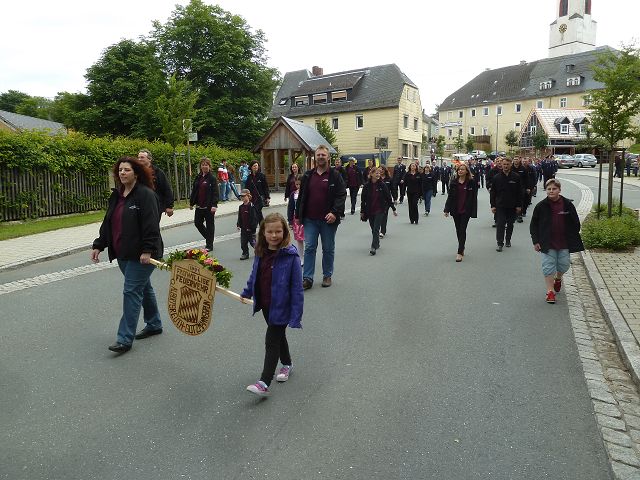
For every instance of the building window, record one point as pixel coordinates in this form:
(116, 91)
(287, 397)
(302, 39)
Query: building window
(449, 115)
(581, 128)
(472, 130)
(415, 151)
(405, 121)
(539, 104)
(283, 101)
(546, 85)
(405, 150)
(564, 128)
(499, 110)
(564, 8)
(450, 132)
(359, 122)
(518, 107)
(473, 112)
(459, 132)
(517, 126)
(563, 102)
(319, 98)
(460, 114)
(339, 96)
(573, 81)
(586, 100)
(415, 124)
(587, 7)
(532, 130)
(485, 111)
(334, 123)
(299, 101)
(318, 124)
(485, 130)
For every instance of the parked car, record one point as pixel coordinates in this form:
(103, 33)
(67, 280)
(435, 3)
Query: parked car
(493, 155)
(634, 159)
(461, 157)
(479, 154)
(565, 161)
(585, 160)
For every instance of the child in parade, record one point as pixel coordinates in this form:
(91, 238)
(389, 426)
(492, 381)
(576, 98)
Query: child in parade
(294, 222)
(555, 233)
(275, 285)
(375, 201)
(247, 223)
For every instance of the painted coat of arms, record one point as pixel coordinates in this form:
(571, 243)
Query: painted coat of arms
(191, 293)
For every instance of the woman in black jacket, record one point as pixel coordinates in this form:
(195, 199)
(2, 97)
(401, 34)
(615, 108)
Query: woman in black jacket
(429, 185)
(257, 184)
(462, 204)
(204, 196)
(555, 244)
(375, 200)
(412, 180)
(131, 233)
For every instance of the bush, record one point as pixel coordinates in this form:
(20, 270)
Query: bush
(615, 233)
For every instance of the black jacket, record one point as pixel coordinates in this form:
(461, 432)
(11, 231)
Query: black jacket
(471, 202)
(399, 171)
(253, 218)
(492, 172)
(257, 185)
(413, 182)
(163, 189)
(540, 227)
(429, 181)
(358, 175)
(140, 228)
(287, 186)
(212, 191)
(385, 197)
(335, 199)
(506, 191)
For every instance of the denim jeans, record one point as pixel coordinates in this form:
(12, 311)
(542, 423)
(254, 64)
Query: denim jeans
(427, 195)
(327, 233)
(233, 188)
(224, 191)
(137, 293)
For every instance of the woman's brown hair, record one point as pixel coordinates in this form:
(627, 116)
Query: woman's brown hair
(143, 173)
(261, 241)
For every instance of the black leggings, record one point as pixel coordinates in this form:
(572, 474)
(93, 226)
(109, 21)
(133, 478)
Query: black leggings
(276, 348)
(413, 207)
(201, 216)
(353, 192)
(461, 222)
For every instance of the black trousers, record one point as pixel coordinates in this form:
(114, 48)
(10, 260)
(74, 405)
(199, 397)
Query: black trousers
(461, 222)
(383, 224)
(245, 239)
(526, 202)
(403, 189)
(353, 191)
(202, 216)
(412, 198)
(504, 224)
(375, 222)
(445, 186)
(481, 179)
(276, 348)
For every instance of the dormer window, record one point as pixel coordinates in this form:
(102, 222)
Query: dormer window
(573, 81)
(300, 101)
(546, 85)
(569, 68)
(319, 98)
(564, 129)
(339, 96)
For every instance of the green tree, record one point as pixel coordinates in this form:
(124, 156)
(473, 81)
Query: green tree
(10, 100)
(540, 140)
(123, 86)
(225, 60)
(458, 143)
(440, 143)
(590, 142)
(38, 107)
(469, 144)
(71, 110)
(614, 106)
(329, 135)
(512, 140)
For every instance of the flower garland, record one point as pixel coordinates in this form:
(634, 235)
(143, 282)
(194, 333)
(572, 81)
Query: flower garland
(201, 255)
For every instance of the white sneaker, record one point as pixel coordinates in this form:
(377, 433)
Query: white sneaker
(283, 374)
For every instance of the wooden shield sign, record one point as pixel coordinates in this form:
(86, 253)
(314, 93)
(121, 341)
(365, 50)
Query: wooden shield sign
(191, 293)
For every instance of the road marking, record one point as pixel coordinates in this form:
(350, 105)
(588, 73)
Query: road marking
(586, 202)
(47, 278)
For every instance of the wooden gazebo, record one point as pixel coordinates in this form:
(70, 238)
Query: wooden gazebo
(285, 142)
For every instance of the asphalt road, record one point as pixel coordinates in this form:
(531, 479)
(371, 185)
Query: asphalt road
(411, 366)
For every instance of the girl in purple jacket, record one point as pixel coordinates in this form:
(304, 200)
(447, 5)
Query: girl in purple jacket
(275, 285)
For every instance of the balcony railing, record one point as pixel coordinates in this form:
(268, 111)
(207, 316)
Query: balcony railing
(481, 138)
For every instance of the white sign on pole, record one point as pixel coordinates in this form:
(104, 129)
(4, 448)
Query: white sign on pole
(193, 137)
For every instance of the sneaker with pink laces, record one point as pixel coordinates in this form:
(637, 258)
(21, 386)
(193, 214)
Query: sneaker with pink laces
(259, 388)
(283, 374)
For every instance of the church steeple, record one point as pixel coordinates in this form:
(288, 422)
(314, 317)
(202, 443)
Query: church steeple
(574, 30)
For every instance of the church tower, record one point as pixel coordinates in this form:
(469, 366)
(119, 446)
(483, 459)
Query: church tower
(574, 30)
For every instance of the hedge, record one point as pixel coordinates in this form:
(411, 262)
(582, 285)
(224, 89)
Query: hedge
(615, 233)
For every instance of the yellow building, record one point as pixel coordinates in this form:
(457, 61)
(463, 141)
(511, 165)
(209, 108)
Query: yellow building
(375, 112)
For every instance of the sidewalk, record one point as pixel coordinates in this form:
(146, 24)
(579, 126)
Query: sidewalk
(18, 252)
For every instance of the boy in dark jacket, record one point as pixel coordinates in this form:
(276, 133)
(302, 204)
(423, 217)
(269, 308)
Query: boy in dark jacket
(555, 233)
(247, 223)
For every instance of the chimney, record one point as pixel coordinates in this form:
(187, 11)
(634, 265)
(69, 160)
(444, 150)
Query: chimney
(316, 71)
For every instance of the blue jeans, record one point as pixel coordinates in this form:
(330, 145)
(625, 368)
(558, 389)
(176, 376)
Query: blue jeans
(327, 234)
(137, 293)
(427, 194)
(232, 185)
(224, 191)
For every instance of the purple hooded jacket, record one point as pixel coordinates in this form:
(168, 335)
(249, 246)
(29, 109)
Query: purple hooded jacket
(287, 297)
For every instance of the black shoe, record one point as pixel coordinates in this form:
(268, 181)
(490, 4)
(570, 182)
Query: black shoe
(145, 332)
(372, 251)
(507, 244)
(244, 256)
(307, 284)
(494, 225)
(119, 348)
(519, 220)
(352, 213)
(499, 248)
(209, 247)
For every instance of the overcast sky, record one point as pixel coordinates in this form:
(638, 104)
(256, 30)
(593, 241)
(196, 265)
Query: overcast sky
(47, 46)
